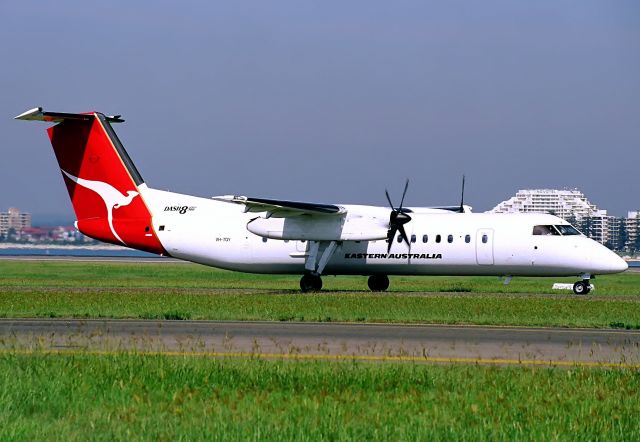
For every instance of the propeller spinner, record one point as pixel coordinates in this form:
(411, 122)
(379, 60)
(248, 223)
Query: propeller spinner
(397, 219)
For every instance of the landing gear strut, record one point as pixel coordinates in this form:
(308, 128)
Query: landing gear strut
(378, 283)
(318, 255)
(310, 282)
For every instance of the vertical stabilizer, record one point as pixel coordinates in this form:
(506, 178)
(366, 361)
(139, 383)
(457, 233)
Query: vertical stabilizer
(101, 179)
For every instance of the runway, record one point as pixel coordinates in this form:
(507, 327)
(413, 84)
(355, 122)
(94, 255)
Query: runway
(366, 342)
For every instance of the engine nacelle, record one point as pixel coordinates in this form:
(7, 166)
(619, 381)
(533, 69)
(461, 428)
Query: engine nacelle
(328, 228)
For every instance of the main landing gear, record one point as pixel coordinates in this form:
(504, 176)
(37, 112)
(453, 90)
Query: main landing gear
(582, 287)
(318, 255)
(378, 283)
(310, 282)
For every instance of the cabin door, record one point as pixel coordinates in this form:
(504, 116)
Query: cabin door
(484, 246)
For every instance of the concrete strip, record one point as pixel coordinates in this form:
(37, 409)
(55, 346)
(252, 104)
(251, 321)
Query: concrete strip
(427, 343)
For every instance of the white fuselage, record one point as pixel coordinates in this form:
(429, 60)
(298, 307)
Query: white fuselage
(215, 233)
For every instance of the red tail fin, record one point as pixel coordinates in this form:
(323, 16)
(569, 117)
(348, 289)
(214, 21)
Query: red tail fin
(101, 179)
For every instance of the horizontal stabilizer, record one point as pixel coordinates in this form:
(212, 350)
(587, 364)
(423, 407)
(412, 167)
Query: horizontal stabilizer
(37, 114)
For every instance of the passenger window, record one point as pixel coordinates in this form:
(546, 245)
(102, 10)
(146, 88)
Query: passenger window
(413, 238)
(399, 238)
(264, 239)
(467, 239)
(438, 238)
(450, 239)
(425, 238)
(485, 238)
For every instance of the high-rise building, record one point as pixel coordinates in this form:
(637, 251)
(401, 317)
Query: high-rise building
(562, 203)
(14, 219)
(570, 205)
(632, 224)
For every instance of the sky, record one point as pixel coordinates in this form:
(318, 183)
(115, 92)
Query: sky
(332, 101)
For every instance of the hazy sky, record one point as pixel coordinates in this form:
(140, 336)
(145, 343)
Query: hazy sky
(332, 101)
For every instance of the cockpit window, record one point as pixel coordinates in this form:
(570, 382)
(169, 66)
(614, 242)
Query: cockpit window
(545, 230)
(560, 229)
(565, 229)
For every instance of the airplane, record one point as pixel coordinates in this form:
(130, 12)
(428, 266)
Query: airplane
(113, 204)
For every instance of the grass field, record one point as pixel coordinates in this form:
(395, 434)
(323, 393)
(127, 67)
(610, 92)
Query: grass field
(188, 291)
(128, 396)
(133, 397)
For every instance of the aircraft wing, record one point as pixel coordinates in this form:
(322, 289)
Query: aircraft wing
(282, 208)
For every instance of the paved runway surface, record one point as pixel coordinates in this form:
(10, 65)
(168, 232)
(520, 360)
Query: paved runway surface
(375, 342)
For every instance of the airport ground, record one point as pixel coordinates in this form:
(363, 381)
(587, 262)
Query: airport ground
(65, 379)
(169, 290)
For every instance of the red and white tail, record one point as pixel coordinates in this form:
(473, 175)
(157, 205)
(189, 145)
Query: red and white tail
(102, 181)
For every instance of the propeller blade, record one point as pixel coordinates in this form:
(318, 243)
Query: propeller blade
(406, 186)
(389, 199)
(404, 235)
(391, 235)
(462, 198)
(397, 219)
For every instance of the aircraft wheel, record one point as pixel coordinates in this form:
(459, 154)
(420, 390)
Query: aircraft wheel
(310, 283)
(581, 288)
(378, 283)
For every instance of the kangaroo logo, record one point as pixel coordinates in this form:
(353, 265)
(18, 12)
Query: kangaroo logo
(111, 197)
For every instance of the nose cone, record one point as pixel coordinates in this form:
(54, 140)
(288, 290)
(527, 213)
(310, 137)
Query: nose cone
(609, 262)
(619, 265)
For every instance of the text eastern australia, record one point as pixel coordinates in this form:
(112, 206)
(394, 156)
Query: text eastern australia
(393, 255)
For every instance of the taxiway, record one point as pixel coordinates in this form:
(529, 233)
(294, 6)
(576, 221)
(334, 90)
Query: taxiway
(372, 342)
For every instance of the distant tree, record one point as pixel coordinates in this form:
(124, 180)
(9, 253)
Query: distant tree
(11, 234)
(636, 242)
(623, 235)
(586, 226)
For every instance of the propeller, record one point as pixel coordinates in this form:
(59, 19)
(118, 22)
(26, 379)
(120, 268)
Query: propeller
(397, 219)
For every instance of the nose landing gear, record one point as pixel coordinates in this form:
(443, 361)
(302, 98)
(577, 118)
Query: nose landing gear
(583, 287)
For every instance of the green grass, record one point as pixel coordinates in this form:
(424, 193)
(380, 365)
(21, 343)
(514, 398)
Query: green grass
(135, 397)
(184, 275)
(186, 291)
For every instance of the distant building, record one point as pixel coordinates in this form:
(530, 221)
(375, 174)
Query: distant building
(562, 203)
(632, 226)
(14, 219)
(570, 205)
